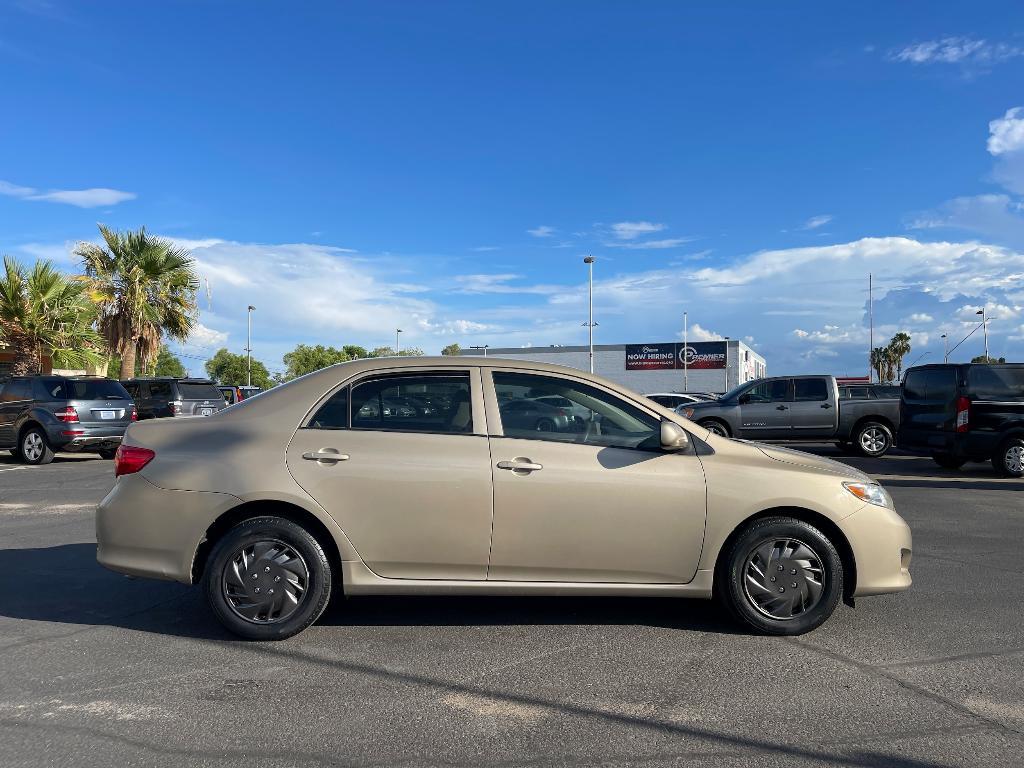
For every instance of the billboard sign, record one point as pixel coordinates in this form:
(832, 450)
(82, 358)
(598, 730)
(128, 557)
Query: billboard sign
(699, 355)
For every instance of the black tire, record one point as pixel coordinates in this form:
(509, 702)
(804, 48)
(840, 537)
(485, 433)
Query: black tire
(715, 427)
(948, 460)
(1007, 461)
(107, 453)
(737, 594)
(545, 425)
(872, 439)
(34, 448)
(275, 531)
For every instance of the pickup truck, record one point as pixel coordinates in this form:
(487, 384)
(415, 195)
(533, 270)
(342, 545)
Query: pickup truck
(806, 408)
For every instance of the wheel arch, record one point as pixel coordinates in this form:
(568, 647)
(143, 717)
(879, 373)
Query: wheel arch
(250, 509)
(724, 424)
(809, 516)
(885, 422)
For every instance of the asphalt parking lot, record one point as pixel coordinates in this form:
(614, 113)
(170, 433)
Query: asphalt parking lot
(102, 670)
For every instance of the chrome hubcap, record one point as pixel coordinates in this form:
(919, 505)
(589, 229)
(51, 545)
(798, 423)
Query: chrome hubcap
(873, 440)
(33, 446)
(1014, 459)
(265, 582)
(783, 578)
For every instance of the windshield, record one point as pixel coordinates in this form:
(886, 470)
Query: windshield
(737, 391)
(198, 391)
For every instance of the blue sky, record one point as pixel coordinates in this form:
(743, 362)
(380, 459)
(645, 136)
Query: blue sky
(350, 168)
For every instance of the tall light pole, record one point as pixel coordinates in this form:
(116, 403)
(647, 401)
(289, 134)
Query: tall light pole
(945, 348)
(589, 261)
(871, 328)
(984, 328)
(398, 341)
(248, 346)
(686, 356)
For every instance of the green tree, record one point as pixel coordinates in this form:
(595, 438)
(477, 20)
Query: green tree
(168, 364)
(355, 352)
(145, 288)
(899, 347)
(882, 362)
(307, 358)
(228, 368)
(390, 352)
(451, 349)
(988, 360)
(45, 313)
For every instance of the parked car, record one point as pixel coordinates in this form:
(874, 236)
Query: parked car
(161, 397)
(580, 413)
(236, 394)
(801, 408)
(275, 502)
(534, 414)
(40, 415)
(673, 400)
(965, 412)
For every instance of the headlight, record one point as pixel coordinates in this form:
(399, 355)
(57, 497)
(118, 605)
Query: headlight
(872, 493)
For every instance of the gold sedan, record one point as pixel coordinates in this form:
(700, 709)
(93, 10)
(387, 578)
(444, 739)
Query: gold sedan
(470, 475)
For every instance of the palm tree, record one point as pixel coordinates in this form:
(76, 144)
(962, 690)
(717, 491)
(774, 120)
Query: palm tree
(45, 313)
(145, 288)
(899, 347)
(882, 362)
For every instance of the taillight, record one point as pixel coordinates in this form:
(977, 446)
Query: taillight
(175, 406)
(68, 415)
(135, 413)
(963, 414)
(131, 458)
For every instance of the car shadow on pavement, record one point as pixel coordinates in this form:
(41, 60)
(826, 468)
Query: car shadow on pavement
(70, 587)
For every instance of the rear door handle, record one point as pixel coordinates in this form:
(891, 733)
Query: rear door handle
(327, 454)
(520, 465)
(826, 405)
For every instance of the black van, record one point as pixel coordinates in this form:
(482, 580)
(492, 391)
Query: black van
(965, 412)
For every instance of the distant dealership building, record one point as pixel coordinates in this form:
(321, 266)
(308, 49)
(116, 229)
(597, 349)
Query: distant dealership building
(708, 366)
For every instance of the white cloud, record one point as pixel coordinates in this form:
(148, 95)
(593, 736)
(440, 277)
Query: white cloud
(918, 318)
(542, 231)
(956, 50)
(1006, 134)
(641, 245)
(696, 332)
(207, 338)
(630, 230)
(816, 221)
(81, 198)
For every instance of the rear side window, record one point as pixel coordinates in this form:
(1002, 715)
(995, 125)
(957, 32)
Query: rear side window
(987, 382)
(435, 403)
(18, 389)
(884, 393)
(810, 389)
(930, 384)
(334, 413)
(91, 389)
(198, 391)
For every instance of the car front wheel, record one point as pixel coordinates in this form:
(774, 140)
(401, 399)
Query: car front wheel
(1009, 459)
(715, 427)
(268, 579)
(781, 576)
(34, 448)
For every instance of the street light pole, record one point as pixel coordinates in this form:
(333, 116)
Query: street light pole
(589, 261)
(984, 328)
(945, 348)
(248, 346)
(398, 341)
(686, 356)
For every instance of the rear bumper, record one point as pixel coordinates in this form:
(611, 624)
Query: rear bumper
(144, 530)
(91, 443)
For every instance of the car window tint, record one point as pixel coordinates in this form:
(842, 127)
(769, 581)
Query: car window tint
(988, 382)
(17, 389)
(415, 403)
(887, 392)
(769, 391)
(198, 391)
(810, 389)
(594, 418)
(930, 384)
(160, 389)
(334, 413)
(93, 389)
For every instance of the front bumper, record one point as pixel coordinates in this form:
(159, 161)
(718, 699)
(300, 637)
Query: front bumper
(882, 547)
(145, 530)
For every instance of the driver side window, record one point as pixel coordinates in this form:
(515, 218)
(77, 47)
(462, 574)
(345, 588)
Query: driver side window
(768, 392)
(561, 410)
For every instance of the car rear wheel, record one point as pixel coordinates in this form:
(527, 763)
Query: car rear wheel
(34, 448)
(873, 439)
(715, 427)
(948, 460)
(268, 579)
(1009, 459)
(545, 425)
(781, 576)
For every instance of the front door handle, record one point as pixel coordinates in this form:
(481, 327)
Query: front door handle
(520, 465)
(782, 408)
(826, 405)
(326, 454)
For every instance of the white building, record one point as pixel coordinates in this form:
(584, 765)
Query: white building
(704, 366)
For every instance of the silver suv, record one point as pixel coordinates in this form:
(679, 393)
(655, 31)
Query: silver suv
(40, 415)
(164, 396)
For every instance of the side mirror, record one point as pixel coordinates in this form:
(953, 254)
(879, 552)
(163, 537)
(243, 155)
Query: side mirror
(673, 437)
(744, 399)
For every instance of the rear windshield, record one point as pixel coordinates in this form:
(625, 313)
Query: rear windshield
(987, 382)
(88, 389)
(198, 392)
